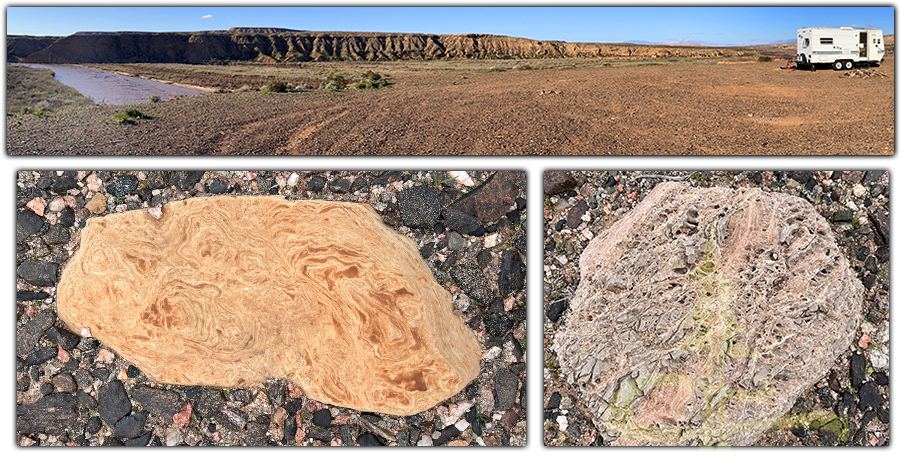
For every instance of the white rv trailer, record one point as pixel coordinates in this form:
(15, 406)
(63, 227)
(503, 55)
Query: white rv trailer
(842, 48)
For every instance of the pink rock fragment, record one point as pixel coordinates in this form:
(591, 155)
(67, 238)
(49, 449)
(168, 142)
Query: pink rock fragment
(864, 341)
(342, 419)
(37, 205)
(183, 417)
(56, 204)
(62, 354)
(300, 435)
(93, 183)
(294, 391)
(105, 356)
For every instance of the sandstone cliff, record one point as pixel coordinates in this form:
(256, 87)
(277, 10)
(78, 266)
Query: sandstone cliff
(268, 45)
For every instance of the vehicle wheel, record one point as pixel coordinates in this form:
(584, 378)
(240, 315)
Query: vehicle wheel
(803, 61)
(838, 65)
(848, 65)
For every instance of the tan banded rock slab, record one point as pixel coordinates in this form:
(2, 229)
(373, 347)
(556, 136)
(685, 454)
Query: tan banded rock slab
(702, 315)
(227, 291)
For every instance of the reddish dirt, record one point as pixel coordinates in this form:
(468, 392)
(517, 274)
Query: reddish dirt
(671, 109)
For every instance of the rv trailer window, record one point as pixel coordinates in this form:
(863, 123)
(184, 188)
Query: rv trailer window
(826, 40)
(806, 43)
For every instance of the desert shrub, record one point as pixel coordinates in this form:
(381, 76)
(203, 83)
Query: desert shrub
(129, 116)
(764, 59)
(371, 84)
(154, 98)
(371, 80)
(220, 90)
(334, 81)
(275, 87)
(369, 75)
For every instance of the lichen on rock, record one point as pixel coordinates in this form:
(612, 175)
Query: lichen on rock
(702, 314)
(227, 291)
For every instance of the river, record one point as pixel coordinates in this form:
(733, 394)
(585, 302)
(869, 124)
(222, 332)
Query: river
(110, 88)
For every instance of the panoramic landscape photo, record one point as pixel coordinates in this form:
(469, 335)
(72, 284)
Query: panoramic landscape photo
(450, 81)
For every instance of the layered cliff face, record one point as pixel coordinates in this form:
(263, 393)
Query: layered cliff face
(18, 47)
(301, 46)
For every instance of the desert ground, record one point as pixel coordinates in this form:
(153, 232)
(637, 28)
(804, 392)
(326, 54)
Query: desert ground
(735, 106)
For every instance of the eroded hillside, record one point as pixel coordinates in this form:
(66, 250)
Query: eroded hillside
(269, 45)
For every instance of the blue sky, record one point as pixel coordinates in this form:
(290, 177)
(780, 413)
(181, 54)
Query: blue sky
(704, 25)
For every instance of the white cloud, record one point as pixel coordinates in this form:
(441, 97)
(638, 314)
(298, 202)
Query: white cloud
(696, 32)
(206, 16)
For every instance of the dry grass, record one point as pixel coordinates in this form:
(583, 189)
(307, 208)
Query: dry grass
(254, 76)
(35, 91)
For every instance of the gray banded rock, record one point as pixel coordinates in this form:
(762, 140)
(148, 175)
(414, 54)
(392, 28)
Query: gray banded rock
(704, 313)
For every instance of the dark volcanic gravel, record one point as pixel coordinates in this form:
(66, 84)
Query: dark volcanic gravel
(857, 203)
(75, 391)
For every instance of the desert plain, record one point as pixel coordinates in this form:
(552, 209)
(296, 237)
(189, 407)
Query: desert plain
(727, 105)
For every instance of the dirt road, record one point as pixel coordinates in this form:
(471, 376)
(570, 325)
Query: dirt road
(699, 108)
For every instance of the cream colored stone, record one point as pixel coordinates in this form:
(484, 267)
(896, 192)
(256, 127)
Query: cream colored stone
(96, 205)
(227, 291)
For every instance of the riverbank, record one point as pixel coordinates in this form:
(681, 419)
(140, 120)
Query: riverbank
(112, 88)
(35, 92)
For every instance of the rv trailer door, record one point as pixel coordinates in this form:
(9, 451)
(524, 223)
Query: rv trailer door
(863, 45)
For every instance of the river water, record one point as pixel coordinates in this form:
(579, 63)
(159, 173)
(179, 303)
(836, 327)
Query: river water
(113, 89)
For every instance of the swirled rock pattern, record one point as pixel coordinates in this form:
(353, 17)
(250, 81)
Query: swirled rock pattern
(227, 291)
(702, 315)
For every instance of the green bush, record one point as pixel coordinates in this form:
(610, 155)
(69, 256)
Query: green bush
(154, 98)
(129, 116)
(764, 59)
(371, 80)
(275, 87)
(369, 75)
(334, 81)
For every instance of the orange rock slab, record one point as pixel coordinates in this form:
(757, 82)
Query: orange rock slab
(227, 291)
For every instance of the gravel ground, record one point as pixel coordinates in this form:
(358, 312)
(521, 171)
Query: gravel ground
(75, 391)
(857, 203)
(646, 108)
